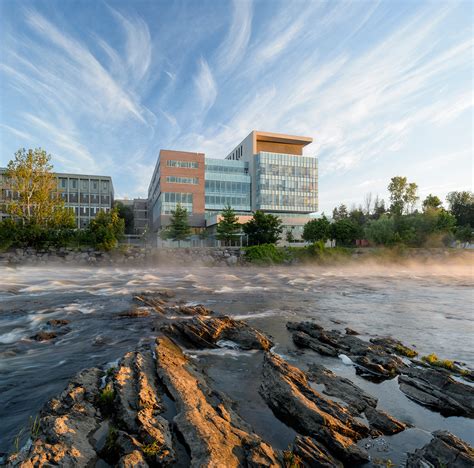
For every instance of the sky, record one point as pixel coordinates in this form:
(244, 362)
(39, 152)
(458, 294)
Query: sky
(384, 88)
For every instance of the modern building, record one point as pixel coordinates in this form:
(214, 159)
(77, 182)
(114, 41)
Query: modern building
(266, 171)
(139, 207)
(85, 194)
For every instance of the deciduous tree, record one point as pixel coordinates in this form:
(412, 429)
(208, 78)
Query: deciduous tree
(263, 228)
(317, 230)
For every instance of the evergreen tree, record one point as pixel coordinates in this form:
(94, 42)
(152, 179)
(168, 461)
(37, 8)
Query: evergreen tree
(290, 238)
(263, 228)
(228, 228)
(317, 230)
(179, 228)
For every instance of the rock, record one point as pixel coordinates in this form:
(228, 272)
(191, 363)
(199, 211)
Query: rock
(342, 388)
(438, 390)
(303, 340)
(231, 261)
(350, 331)
(133, 460)
(57, 322)
(314, 454)
(214, 433)
(444, 449)
(135, 313)
(286, 390)
(205, 332)
(383, 422)
(66, 423)
(194, 310)
(44, 336)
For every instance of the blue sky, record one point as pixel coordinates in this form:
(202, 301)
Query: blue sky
(384, 88)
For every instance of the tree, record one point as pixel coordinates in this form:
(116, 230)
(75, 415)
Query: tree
(464, 234)
(106, 229)
(126, 213)
(358, 216)
(345, 232)
(368, 203)
(340, 212)
(403, 195)
(431, 201)
(379, 208)
(461, 205)
(317, 230)
(31, 180)
(228, 228)
(381, 231)
(179, 228)
(263, 228)
(290, 238)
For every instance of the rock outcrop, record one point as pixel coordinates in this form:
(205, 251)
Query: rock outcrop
(214, 433)
(438, 390)
(444, 449)
(371, 360)
(311, 453)
(286, 390)
(206, 332)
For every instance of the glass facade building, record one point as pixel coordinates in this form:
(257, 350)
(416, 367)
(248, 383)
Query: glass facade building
(286, 183)
(227, 183)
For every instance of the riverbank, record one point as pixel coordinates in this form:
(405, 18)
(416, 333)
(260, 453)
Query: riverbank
(231, 256)
(166, 404)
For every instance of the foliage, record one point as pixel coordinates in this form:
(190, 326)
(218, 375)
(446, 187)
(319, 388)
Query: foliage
(318, 251)
(405, 351)
(381, 231)
(106, 400)
(340, 212)
(431, 202)
(461, 205)
(263, 229)
(126, 213)
(464, 234)
(317, 230)
(403, 195)
(290, 238)
(106, 229)
(228, 228)
(345, 232)
(37, 200)
(433, 360)
(264, 254)
(151, 450)
(178, 229)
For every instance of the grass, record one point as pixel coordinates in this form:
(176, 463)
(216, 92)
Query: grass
(433, 360)
(106, 400)
(151, 450)
(110, 371)
(405, 351)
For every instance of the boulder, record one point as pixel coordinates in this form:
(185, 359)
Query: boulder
(43, 335)
(313, 454)
(445, 449)
(383, 422)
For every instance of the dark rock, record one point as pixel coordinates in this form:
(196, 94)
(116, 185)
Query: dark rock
(286, 390)
(314, 454)
(437, 389)
(444, 449)
(214, 433)
(383, 422)
(303, 340)
(383, 366)
(135, 313)
(44, 336)
(350, 331)
(342, 388)
(206, 332)
(57, 322)
(194, 310)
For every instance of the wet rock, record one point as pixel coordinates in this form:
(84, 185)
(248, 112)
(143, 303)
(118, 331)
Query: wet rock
(342, 388)
(383, 422)
(154, 300)
(43, 335)
(444, 449)
(57, 323)
(304, 340)
(214, 433)
(205, 332)
(194, 310)
(66, 423)
(350, 331)
(135, 313)
(379, 365)
(314, 454)
(437, 389)
(286, 390)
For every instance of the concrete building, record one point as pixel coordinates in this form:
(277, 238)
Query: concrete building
(139, 207)
(266, 171)
(85, 194)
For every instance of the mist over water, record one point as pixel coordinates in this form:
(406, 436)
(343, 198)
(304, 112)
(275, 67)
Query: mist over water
(428, 306)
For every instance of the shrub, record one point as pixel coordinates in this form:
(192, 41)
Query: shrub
(106, 400)
(264, 254)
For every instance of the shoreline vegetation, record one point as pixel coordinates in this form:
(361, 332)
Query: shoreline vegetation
(142, 410)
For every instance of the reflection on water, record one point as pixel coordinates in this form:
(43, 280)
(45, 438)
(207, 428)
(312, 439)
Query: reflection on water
(429, 308)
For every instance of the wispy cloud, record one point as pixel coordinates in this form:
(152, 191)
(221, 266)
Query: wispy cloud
(205, 86)
(233, 48)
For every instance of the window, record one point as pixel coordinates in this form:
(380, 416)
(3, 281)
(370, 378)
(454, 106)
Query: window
(74, 183)
(63, 183)
(105, 185)
(184, 164)
(182, 180)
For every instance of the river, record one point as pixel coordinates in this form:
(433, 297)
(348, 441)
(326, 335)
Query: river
(430, 308)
